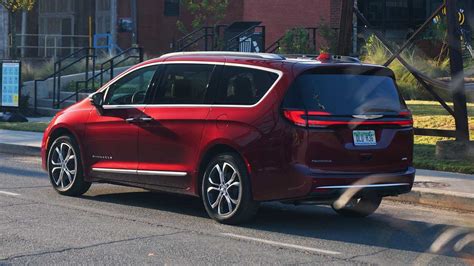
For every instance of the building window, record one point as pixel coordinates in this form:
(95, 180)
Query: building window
(103, 15)
(172, 8)
(56, 6)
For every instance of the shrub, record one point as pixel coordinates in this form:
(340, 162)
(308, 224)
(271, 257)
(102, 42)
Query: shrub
(296, 41)
(329, 36)
(375, 52)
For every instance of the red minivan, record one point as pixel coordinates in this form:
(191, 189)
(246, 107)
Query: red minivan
(237, 129)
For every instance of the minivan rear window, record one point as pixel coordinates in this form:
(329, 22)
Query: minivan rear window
(344, 94)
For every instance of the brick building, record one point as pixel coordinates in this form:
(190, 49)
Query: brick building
(157, 19)
(58, 27)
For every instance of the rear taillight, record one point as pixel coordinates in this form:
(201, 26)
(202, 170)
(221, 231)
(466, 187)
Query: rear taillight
(296, 117)
(303, 118)
(407, 115)
(322, 119)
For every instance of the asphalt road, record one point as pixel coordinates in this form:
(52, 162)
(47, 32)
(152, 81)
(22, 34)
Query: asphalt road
(120, 225)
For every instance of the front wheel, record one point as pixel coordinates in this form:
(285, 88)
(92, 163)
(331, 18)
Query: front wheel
(359, 207)
(226, 190)
(65, 168)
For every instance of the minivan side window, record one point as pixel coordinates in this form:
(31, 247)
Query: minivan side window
(243, 86)
(184, 84)
(132, 88)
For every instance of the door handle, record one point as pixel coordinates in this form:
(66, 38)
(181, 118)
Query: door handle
(146, 119)
(131, 120)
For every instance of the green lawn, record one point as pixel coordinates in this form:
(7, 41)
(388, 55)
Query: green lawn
(429, 114)
(29, 126)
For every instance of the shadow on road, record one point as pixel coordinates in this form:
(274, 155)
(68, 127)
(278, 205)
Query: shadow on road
(18, 171)
(319, 222)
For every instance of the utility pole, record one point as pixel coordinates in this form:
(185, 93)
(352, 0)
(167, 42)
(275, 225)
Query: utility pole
(345, 28)
(355, 30)
(133, 9)
(457, 72)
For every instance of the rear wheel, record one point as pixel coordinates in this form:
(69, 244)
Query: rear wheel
(65, 168)
(360, 207)
(226, 191)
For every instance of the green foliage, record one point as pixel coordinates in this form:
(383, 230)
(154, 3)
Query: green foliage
(296, 41)
(13, 6)
(374, 52)
(32, 71)
(28, 126)
(329, 35)
(18, 5)
(204, 12)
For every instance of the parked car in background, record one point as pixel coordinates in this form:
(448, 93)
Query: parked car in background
(237, 129)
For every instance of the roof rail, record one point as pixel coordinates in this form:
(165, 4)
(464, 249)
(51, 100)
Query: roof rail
(334, 58)
(237, 54)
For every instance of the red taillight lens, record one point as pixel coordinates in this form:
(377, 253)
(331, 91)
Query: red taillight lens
(407, 115)
(296, 117)
(315, 119)
(300, 118)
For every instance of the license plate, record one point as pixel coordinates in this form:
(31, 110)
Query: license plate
(364, 137)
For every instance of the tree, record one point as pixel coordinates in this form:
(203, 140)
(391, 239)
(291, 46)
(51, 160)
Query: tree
(204, 12)
(13, 7)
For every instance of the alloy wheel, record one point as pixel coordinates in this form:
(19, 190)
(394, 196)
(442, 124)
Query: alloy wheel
(63, 162)
(224, 189)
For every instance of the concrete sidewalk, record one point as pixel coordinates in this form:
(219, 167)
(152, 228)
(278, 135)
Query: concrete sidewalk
(20, 142)
(438, 189)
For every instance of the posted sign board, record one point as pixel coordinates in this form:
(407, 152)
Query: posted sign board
(10, 79)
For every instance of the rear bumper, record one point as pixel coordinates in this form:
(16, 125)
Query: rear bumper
(332, 186)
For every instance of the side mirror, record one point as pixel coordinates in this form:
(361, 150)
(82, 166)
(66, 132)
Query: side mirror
(97, 99)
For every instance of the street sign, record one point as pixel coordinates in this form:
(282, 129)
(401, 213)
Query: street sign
(10, 85)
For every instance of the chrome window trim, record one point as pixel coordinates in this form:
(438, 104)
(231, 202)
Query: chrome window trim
(368, 186)
(139, 172)
(128, 106)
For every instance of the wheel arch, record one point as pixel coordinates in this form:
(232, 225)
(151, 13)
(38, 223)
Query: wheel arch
(59, 131)
(211, 152)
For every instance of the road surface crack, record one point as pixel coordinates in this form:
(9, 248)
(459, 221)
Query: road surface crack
(3, 260)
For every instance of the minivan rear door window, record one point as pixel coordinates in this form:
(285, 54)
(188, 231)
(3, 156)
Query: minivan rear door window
(243, 85)
(346, 94)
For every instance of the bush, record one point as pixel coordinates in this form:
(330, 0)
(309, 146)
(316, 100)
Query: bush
(296, 41)
(374, 52)
(329, 36)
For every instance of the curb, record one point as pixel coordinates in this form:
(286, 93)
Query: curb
(441, 199)
(20, 149)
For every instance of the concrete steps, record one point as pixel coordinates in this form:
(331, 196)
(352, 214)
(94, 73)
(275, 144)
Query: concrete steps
(45, 105)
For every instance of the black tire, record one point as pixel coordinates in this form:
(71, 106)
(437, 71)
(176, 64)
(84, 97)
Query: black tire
(360, 207)
(72, 181)
(246, 208)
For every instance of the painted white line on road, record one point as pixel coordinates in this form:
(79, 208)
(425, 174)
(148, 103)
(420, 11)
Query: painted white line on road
(9, 193)
(280, 244)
